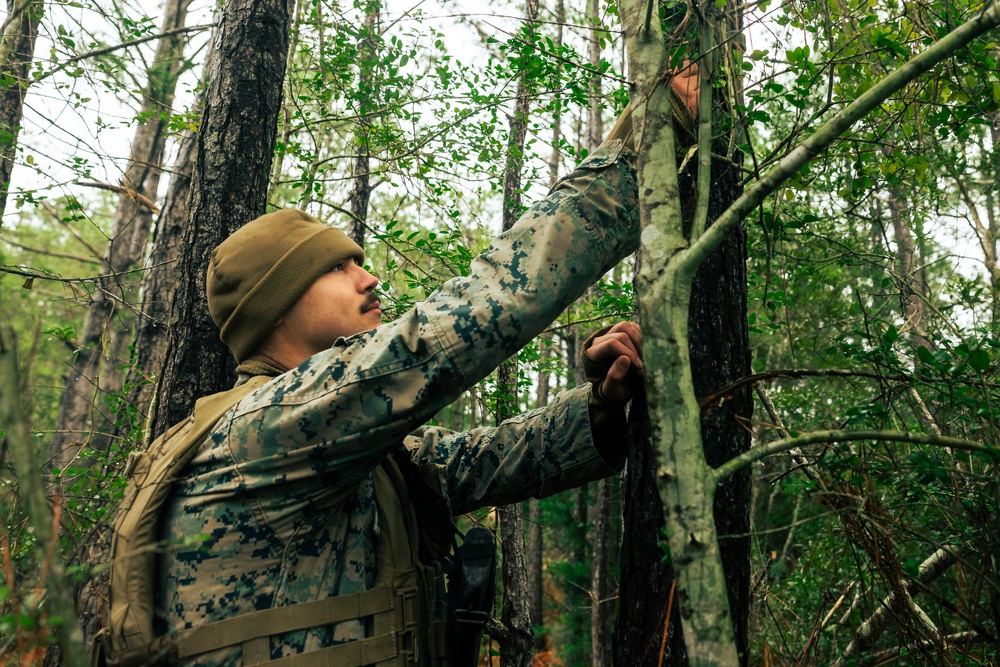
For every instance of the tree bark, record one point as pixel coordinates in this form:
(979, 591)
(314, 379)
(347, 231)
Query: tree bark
(19, 44)
(600, 607)
(911, 284)
(718, 347)
(555, 158)
(361, 189)
(516, 649)
(600, 629)
(228, 189)
(151, 329)
(535, 545)
(991, 233)
(595, 121)
(94, 378)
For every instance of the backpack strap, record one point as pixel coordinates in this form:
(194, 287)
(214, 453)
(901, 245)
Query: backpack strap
(134, 544)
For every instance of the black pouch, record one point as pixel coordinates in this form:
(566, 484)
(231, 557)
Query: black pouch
(471, 587)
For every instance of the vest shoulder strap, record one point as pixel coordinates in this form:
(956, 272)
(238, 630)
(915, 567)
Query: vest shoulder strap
(134, 543)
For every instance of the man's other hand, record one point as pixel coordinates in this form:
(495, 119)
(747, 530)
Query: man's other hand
(687, 84)
(620, 351)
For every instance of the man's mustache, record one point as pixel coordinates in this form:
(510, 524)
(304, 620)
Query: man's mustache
(369, 302)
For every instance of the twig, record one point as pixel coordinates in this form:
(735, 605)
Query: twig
(122, 190)
(666, 621)
(94, 252)
(51, 253)
(17, 271)
(882, 657)
(124, 45)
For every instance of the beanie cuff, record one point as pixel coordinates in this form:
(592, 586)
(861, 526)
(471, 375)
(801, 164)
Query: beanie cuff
(280, 289)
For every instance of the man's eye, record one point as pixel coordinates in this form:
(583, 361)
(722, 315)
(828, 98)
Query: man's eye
(339, 267)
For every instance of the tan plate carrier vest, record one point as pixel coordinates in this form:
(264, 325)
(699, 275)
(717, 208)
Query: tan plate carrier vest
(406, 610)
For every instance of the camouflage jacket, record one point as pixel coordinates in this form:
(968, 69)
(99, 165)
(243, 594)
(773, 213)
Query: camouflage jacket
(277, 506)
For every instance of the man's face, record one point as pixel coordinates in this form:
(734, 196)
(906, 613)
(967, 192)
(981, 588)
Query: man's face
(341, 302)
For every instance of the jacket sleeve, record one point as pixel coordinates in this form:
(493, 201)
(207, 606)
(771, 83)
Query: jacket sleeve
(535, 454)
(339, 412)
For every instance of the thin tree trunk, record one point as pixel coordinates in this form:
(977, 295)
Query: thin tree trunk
(94, 376)
(577, 603)
(992, 231)
(286, 105)
(361, 189)
(516, 649)
(18, 43)
(20, 448)
(228, 189)
(911, 283)
(152, 328)
(535, 546)
(600, 645)
(150, 338)
(534, 510)
(600, 626)
(595, 121)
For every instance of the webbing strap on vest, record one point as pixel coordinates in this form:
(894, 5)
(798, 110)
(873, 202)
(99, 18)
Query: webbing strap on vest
(396, 611)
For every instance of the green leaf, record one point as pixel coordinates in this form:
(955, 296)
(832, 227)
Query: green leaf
(979, 360)
(890, 336)
(925, 355)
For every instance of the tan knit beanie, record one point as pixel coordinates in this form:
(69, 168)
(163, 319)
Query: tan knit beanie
(256, 275)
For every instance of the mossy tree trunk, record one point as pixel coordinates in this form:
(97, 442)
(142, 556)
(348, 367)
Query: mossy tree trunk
(671, 253)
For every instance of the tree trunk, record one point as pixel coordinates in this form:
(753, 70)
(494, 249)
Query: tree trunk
(19, 44)
(94, 378)
(600, 648)
(151, 329)
(534, 545)
(516, 649)
(992, 231)
(361, 190)
(600, 607)
(555, 158)
(595, 121)
(911, 283)
(719, 353)
(228, 189)
(287, 100)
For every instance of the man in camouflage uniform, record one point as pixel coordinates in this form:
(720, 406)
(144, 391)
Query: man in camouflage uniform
(281, 492)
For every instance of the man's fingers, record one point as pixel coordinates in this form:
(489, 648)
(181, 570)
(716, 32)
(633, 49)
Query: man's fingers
(632, 330)
(612, 346)
(613, 387)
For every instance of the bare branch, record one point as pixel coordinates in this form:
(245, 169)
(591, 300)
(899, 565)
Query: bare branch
(827, 437)
(122, 190)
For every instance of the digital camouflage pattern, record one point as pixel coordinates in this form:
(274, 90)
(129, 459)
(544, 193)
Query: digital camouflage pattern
(277, 507)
